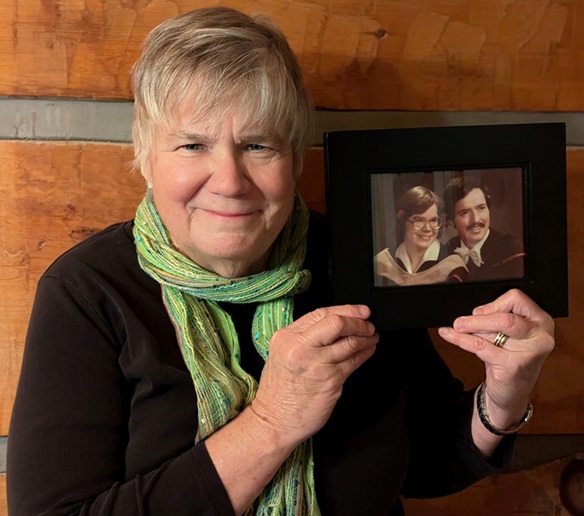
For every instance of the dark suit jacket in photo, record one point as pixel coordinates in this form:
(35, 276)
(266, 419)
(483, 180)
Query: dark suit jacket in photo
(503, 257)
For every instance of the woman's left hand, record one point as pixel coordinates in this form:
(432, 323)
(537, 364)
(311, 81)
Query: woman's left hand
(512, 369)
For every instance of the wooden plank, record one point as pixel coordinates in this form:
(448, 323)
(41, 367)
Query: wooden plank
(3, 503)
(356, 54)
(52, 195)
(530, 492)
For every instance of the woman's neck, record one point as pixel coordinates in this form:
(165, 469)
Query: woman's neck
(415, 255)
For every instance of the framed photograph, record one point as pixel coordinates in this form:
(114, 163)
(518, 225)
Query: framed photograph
(428, 223)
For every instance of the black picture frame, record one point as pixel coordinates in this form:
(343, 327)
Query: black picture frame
(355, 159)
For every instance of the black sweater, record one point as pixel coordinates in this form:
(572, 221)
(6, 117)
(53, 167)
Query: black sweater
(106, 413)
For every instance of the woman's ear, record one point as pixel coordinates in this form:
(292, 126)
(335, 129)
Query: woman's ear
(146, 172)
(297, 167)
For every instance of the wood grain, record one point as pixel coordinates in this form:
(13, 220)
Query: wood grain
(356, 54)
(3, 503)
(52, 195)
(531, 492)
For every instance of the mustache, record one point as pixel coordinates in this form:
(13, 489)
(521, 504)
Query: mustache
(475, 226)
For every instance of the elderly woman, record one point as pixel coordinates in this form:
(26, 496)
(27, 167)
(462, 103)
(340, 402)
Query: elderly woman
(189, 362)
(418, 227)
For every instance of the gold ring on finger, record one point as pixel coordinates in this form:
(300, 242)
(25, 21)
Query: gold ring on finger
(500, 339)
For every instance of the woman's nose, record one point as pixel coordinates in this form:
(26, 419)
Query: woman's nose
(228, 176)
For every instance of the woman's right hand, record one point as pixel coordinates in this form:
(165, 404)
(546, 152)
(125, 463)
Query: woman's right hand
(308, 362)
(307, 365)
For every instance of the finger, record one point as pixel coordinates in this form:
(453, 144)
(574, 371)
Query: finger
(516, 302)
(476, 344)
(477, 333)
(355, 360)
(311, 318)
(328, 330)
(513, 325)
(346, 347)
(520, 330)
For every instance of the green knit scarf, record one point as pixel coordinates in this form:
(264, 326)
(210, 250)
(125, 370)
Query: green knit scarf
(209, 343)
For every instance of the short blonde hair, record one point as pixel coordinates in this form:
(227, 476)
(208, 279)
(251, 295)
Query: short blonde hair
(229, 61)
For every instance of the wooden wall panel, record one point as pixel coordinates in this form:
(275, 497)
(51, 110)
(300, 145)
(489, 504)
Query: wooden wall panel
(54, 195)
(356, 54)
(3, 503)
(51, 197)
(530, 493)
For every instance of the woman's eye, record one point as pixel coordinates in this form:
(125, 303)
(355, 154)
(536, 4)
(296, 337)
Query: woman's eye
(192, 146)
(256, 147)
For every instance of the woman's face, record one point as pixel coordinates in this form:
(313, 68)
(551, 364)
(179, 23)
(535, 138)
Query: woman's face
(223, 191)
(419, 240)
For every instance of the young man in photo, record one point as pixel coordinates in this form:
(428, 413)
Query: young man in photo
(487, 252)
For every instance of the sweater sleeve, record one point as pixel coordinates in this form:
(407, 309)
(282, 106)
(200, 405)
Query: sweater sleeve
(443, 458)
(69, 430)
